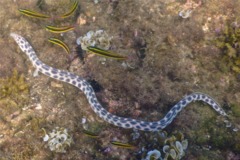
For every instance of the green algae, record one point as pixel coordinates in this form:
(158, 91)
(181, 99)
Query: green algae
(237, 145)
(36, 124)
(235, 110)
(215, 136)
(14, 93)
(229, 42)
(96, 127)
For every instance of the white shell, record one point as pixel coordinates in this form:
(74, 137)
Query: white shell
(45, 138)
(166, 148)
(185, 144)
(185, 13)
(155, 153)
(179, 147)
(173, 154)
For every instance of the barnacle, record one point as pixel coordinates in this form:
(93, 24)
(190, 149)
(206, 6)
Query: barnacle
(98, 39)
(58, 140)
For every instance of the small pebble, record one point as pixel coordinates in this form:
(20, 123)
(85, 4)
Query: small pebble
(35, 73)
(84, 120)
(235, 129)
(39, 106)
(185, 13)
(56, 85)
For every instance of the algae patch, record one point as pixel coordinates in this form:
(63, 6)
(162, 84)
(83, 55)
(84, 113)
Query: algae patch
(215, 136)
(235, 109)
(14, 93)
(229, 41)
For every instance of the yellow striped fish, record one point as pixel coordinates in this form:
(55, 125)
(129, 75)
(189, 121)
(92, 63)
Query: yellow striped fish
(72, 10)
(90, 134)
(106, 53)
(60, 43)
(123, 145)
(59, 29)
(33, 14)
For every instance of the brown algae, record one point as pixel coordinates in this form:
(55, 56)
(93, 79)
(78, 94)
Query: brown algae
(229, 42)
(14, 93)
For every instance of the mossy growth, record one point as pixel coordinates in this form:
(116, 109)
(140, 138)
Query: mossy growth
(36, 124)
(237, 144)
(235, 110)
(26, 153)
(14, 93)
(96, 127)
(229, 41)
(215, 136)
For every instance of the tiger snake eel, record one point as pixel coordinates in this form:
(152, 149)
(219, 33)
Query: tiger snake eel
(87, 89)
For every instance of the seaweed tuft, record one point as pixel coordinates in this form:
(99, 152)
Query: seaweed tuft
(14, 93)
(228, 41)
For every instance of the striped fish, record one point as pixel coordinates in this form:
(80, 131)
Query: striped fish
(90, 134)
(106, 53)
(72, 10)
(59, 29)
(123, 145)
(33, 14)
(60, 43)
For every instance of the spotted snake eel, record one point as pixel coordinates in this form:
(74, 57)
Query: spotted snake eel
(87, 89)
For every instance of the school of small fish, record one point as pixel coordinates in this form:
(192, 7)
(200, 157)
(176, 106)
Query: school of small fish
(64, 29)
